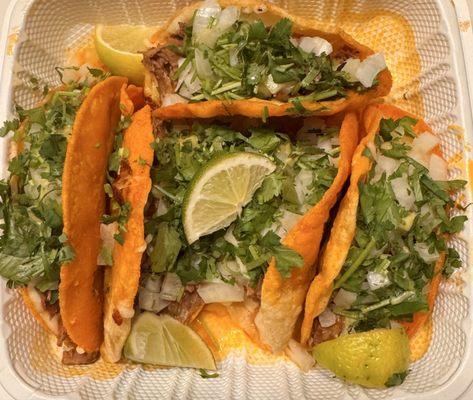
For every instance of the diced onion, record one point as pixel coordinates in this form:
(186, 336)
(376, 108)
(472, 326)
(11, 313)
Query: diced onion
(403, 193)
(106, 234)
(234, 269)
(202, 65)
(377, 280)
(209, 9)
(150, 301)
(438, 168)
(272, 86)
(351, 67)
(170, 99)
(425, 143)
(327, 318)
(423, 250)
(162, 208)
(369, 68)
(172, 288)
(385, 165)
(233, 57)
(230, 237)
(220, 292)
(316, 45)
(302, 181)
(299, 355)
(206, 34)
(287, 221)
(344, 298)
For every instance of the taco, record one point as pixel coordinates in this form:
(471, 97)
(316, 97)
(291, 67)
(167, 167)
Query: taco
(202, 248)
(388, 248)
(252, 58)
(51, 207)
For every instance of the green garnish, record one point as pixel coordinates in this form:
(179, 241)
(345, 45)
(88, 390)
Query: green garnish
(251, 60)
(258, 230)
(32, 244)
(396, 239)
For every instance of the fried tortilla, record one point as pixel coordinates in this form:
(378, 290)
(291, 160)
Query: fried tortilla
(343, 233)
(135, 183)
(282, 299)
(158, 80)
(83, 202)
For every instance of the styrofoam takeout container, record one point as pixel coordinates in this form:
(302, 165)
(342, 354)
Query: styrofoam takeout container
(443, 39)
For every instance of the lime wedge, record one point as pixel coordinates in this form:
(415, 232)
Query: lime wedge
(119, 47)
(220, 190)
(162, 340)
(376, 358)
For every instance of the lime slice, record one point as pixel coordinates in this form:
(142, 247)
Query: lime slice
(162, 340)
(376, 358)
(119, 47)
(220, 190)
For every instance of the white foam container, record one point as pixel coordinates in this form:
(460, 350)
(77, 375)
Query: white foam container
(28, 371)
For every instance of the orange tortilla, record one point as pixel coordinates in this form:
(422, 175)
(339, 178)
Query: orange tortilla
(255, 107)
(134, 184)
(282, 298)
(343, 232)
(83, 202)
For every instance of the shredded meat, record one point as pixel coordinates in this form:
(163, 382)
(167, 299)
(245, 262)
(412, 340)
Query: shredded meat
(72, 357)
(188, 308)
(320, 334)
(117, 317)
(52, 309)
(346, 52)
(162, 62)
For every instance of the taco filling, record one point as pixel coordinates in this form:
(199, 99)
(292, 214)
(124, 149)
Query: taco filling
(33, 244)
(182, 271)
(224, 54)
(400, 249)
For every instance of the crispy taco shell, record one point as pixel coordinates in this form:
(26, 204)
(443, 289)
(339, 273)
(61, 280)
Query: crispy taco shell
(83, 202)
(282, 299)
(134, 183)
(343, 232)
(254, 107)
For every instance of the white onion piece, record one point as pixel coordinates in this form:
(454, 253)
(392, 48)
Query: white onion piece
(302, 181)
(299, 355)
(294, 41)
(184, 73)
(425, 143)
(234, 269)
(369, 68)
(172, 288)
(153, 283)
(162, 208)
(108, 242)
(385, 165)
(220, 292)
(438, 168)
(272, 86)
(151, 301)
(325, 145)
(202, 65)
(423, 250)
(344, 298)
(403, 193)
(230, 237)
(316, 45)
(171, 99)
(225, 19)
(209, 9)
(287, 221)
(377, 280)
(233, 57)
(351, 67)
(327, 318)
